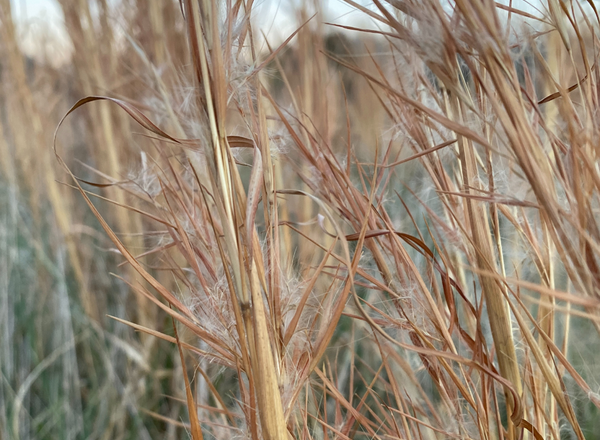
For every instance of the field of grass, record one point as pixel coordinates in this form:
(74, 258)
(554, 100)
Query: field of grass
(371, 228)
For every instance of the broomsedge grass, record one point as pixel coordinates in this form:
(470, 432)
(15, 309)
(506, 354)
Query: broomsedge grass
(378, 246)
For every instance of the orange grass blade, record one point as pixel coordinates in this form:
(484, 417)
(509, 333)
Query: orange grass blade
(194, 423)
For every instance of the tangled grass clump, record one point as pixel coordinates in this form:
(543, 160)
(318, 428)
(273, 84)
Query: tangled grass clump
(392, 233)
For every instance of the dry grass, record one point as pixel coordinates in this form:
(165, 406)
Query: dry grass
(383, 232)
